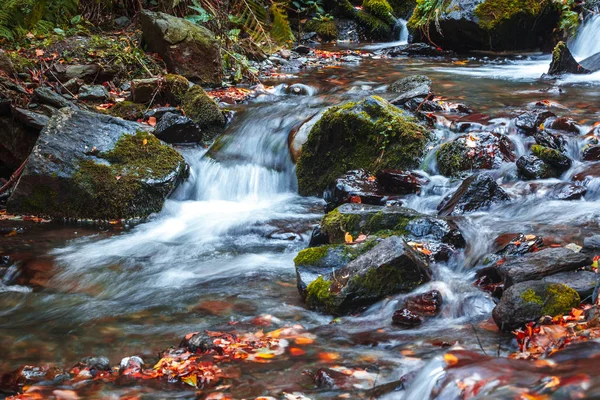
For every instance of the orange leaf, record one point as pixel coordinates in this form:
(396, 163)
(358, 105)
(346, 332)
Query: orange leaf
(296, 351)
(39, 52)
(329, 356)
(152, 121)
(450, 359)
(348, 238)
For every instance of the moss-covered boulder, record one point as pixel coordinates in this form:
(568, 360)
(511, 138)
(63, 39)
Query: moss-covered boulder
(203, 110)
(188, 49)
(529, 301)
(389, 268)
(563, 62)
(127, 110)
(88, 165)
(552, 157)
(371, 134)
(486, 24)
(326, 29)
(164, 89)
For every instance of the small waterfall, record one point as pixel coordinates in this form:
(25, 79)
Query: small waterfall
(401, 29)
(586, 43)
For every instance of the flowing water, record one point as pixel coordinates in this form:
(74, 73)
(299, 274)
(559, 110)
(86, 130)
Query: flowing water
(220, 254)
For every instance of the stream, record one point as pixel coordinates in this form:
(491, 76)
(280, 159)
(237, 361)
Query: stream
(219, 256)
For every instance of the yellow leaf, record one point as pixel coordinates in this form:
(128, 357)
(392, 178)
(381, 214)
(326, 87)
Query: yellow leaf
(450, 359)
(144, 142)
(348, 238)
(191, 380)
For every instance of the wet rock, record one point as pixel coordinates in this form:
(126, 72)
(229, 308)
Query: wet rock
(590, 171)
(477, 192)
(416, 307)
(534, 266)
(529, 301)
(353, 187)
(317, 237)
(567, 191)
(389, 268)
(315, 261)
(98, 363)
(554, 158)
(88, 165)
(16, 142)
(6, 65)
(199, 342)
(591, 153)
(563, 62)
(93, 93)
(131, 366)
(430, 229)
(299, 89)
(531, 167)
(302, 49)
(342, 139)
(562, 125)
(550, 140)
(415, 49)
(411, 87)
(401, 182)
(592, 63)
(481, 150)
(188, 49)
(45, 95)
(30, 119)
(518, 245)
(591, 245)
(159, 112)
(329, 378)
(362, 218)
(583, 282)
(530, 121)
(28, 375)
(173, 128)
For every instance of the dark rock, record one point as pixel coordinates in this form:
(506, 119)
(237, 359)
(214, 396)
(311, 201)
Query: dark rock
(16, 142)
(529, 121)
(159, 112)
(550, 140)
(591, 245)
(122, 21)
(389, 268)
(592, 63)
(204, 111)
(567, 191)
(299, 89)
(583, 282)
(199, 343)
(430, 229)
(85, 72)
(591, 153)
(302, 49)
(529, 301)
(531, 167)
(6, 65)
(87, 165)
(475, 193)
(416, 307)
(534, 266)
(173, 128)
(30, 119)
(562, 124)
(554, 158)
(415, 86)
(401, 182)
(406, 318)
(415, 49)
(518, 245)
(5, 106)
(317, 238)
(93, 93)
(46, 96)
(481, 150)
(590, 171)
(188, 49)
(98, 363)
(563, 62)
(353, 187)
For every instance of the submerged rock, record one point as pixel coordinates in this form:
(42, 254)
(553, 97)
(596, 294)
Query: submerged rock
(87, 165)
(401, 182)
(479, 150)
(353, 187)
(416, 308)
(352, 136)
(477, 192)
(188, 49)
(531, 167)
(529, 301)
(389, 268)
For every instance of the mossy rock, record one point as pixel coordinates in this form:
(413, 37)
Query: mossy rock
(389, 268)
(203, 110)
(127, 110)
(327, 30)
(380, 9)
(94, 166)
(403, 8)
(359, 219)
(371, 134)
(552, 157)
(374, 28)
(529, 301)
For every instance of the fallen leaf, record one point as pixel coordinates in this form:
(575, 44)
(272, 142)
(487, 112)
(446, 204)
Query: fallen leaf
(348, 238)
(152, 121)
(329, 356)
(39, 52)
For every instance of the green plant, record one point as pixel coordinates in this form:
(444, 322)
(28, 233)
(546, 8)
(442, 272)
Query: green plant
(307, 6)
(201, 17)
(323, 18)
(425, 12)
(18, 17)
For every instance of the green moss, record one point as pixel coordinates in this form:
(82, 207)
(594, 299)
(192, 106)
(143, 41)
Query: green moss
(311, 255)
(375, 27)
(560, 299)
(378, 282)
(327, 30)
(558, 50)
(403, 8)
(337, 224)
(318, 295)
(450, 159)
(203, 110)
(551, 156)
(425, 12)
(530, 297)
(371, 134)
(127, 110)
(492, 13)
(380, 9)
(177, 87)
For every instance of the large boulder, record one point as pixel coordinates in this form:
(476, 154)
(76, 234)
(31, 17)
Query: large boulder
(188, 49)
(389, 268)
(203, 110)
(563, 62)
(16, 142)
(531, 300)
(480, 150)
(371, 134)
(583, 282)
(88, 165)
(475, 193)
(356, 186)
(486, 24)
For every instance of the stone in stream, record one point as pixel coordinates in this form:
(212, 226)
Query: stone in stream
(415, 308)
(173, 128)
(563, 62)
(551, 140)
(410, 87)
(477, 150)
(583, 282)
(591, 245)
(566, 191)
(88, 165)
(592, 63)
(589, 171)
(389, 268)
(344, 138)
(529, 121)
(203, 110)
(552, 157)
(561, 125)
(591, 153)
(401, 182)
(353, 187)
(477, 192)
(534, 266)
(532, 167)
(530, 300)
(188, 49)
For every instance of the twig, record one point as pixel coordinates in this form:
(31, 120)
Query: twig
(144, 65)
(478, 341)
(14, 177)
(58, 80)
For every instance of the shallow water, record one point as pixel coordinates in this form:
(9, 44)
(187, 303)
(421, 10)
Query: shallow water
(221, 252)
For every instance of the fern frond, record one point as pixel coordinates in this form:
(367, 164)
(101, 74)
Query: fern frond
(280, 30)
